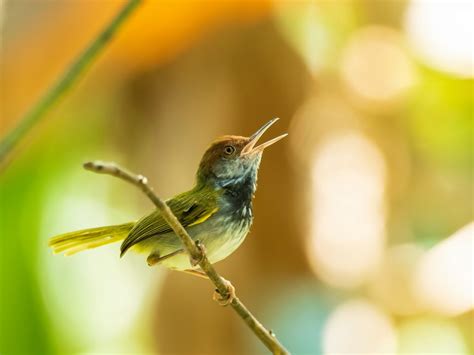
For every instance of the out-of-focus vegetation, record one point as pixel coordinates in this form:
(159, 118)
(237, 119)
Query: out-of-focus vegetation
(363, 233)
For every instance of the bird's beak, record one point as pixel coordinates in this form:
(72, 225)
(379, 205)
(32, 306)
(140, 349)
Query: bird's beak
(250, 147)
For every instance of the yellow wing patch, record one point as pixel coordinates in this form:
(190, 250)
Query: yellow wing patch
(203, 218)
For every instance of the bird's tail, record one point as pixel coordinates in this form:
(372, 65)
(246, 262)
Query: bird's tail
(74, 242)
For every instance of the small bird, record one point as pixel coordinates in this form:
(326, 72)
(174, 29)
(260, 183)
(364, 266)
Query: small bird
(217, 211)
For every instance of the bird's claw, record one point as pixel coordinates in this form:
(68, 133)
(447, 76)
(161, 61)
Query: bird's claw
(202, 250)
(225, 300)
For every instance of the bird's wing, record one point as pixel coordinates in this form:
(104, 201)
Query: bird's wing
(190, 208)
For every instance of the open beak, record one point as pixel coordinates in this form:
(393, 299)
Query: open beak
(250, 147)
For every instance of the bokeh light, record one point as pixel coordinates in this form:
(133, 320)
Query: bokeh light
(441, 33)
(375, 66)
(431, 336)
(107, 293)
(392, 286)
(302, 24)
(320, 115)
(444, 278)
(358, 327)
(310, 27)
(348, 232)
(299, 314)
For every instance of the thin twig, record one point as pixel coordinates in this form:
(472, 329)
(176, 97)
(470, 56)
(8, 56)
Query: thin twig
(197, 254)
(70, 76)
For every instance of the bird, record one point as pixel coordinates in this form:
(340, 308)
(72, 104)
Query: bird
(217, 211)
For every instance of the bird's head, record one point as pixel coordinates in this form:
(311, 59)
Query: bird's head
(232, 159)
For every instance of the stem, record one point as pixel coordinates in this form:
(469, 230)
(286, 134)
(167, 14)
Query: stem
(69, 77)
(196, 253)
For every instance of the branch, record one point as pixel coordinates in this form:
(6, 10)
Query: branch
(70, 77)
(196, 252)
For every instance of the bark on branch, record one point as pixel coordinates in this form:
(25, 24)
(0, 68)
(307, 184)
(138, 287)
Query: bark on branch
(195, 251)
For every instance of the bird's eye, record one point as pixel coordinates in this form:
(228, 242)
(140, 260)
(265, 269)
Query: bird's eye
(228, 149)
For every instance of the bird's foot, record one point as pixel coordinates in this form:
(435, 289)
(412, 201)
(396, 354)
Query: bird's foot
(202, 249)
(153, 259)
(225, 300)
(198, 273)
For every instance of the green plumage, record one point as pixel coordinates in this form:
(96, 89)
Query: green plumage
(190, 208)
(74, 242)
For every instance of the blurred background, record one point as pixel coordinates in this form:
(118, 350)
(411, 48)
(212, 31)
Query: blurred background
(363, 233)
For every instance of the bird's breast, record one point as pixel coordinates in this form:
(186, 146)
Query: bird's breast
(226, 234)
(230, 225)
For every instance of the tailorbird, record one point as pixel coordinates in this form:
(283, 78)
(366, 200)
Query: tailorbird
(217, 211)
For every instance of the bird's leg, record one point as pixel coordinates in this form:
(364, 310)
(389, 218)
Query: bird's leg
(197, 273)
(225, 300)
(195, 262)
(155, 258)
